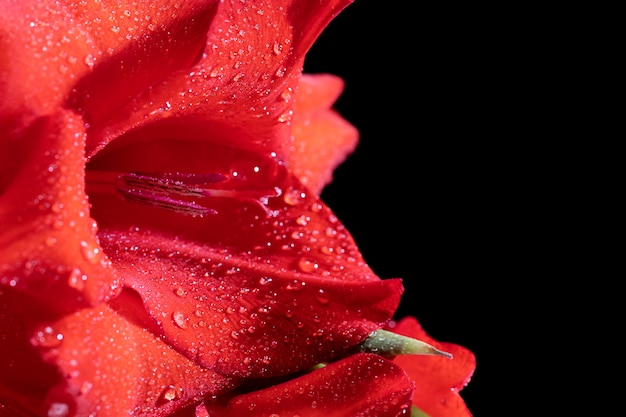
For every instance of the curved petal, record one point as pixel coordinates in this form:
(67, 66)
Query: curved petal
(322, 138)
(241, 91)
(358, 386)
(92, 362)
(91, 57)
(438, 380)
(243, 289)
(48, 242)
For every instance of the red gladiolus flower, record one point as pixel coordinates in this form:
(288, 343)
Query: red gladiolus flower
(163, 247)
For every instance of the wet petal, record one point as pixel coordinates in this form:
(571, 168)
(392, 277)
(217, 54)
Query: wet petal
(48, 242)
(91, 57)
(358, 386)
(241, 290)
(94, 361)
(438, 380)
(241, 91)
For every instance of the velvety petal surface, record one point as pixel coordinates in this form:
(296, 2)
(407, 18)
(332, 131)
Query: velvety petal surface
(438, 380)
(322, 138)
(268, 276)
(362, 385)
(48, 241)
(161, 234)
(92, 362)
(241, 91)
(88, 56)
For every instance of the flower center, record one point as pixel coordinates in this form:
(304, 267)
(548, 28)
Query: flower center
(184, 193)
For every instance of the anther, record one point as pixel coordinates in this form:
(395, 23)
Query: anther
(183, 193)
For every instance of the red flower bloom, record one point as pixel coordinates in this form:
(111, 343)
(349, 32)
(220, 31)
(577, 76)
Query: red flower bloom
(438, 379)
(162, 243)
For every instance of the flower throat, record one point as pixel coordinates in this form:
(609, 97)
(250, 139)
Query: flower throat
(183, 193)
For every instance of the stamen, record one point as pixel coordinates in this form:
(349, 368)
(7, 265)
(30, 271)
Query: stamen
(165, 202)
(179, 192)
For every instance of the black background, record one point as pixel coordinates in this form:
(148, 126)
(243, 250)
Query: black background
(421, 193)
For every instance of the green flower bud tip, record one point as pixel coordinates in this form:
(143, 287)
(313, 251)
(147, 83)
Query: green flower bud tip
(386, 343)
(416, 412)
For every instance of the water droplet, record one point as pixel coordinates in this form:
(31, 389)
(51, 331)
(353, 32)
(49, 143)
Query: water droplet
(285, 117)
(215, 72)
(296, 285)
(307, 265)
(265, 280)
(201, 411)
(90, 60)
(327, 250)
(171, 393)
(86, 387)
(293, 197)
(322, 297)
(77, 279)
(47, 337)
(181, 292)
(286, 94)
(91, 254)
(278, 48)
(303, 220)
(58, 410)
(180, 320)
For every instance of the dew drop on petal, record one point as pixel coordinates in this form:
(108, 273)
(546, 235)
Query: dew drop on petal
(180, 320)
(77, 279)
(307, 265)
(201, 411)
(91, 254)
(293, 197)
(86, 387)
(322, 297)
(47, 337)
(58, 410)
(171, 393)
(303, 220)
(89, 60)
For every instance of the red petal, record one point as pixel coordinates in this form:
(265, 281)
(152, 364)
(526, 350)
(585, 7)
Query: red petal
(92, 56)
(323, 139)
(48, 244)
(438, 380)
(241, 91)
(95, 362)
(241, 291)
(358, 386)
